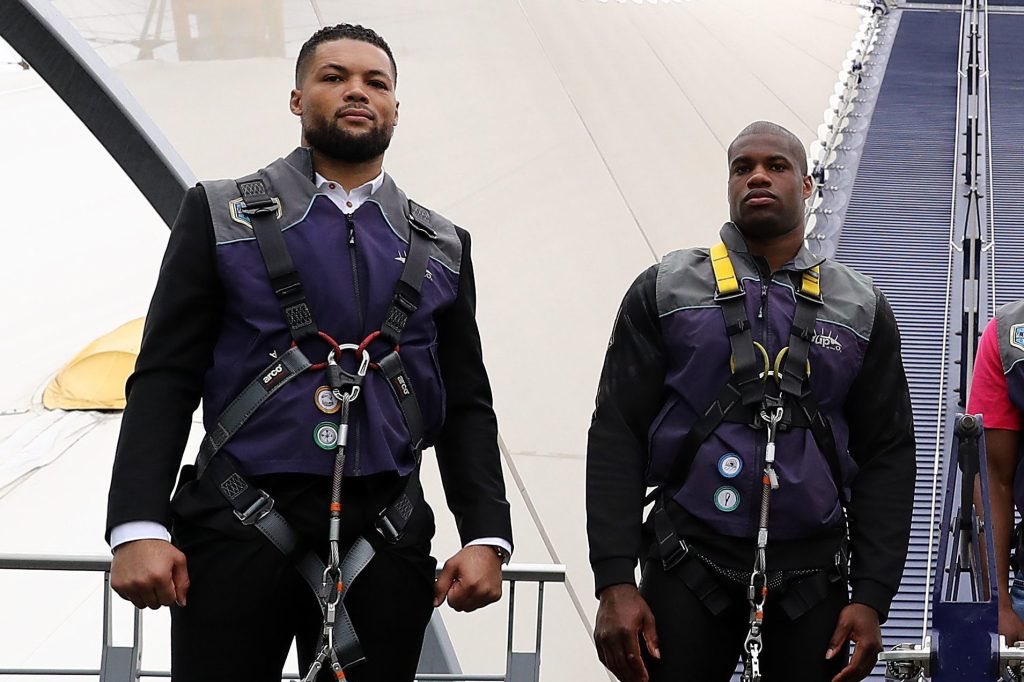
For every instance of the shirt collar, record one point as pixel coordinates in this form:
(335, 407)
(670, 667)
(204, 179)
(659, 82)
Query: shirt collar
(357, 196)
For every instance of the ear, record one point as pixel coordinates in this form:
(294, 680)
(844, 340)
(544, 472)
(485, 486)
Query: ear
(295, 102)
(396, 111)
(808, 186)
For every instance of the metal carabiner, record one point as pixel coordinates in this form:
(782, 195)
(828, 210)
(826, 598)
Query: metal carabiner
(771, 421)
(339, 379)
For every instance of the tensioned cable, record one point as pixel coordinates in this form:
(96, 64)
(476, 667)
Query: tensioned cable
(542, 530)
(316, 10)
(590, 134)
(990, 185)
(679, 86)
(941, 409)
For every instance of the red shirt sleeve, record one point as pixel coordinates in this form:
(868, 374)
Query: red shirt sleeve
(990, 396)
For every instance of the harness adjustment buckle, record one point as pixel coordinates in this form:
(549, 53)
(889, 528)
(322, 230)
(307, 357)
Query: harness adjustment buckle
(257, 510)
(386, 529)
(676, 553)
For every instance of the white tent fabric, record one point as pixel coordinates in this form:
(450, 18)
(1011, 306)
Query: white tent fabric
(577, 140)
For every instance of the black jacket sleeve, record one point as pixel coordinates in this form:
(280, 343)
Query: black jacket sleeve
(880, 417)
(181, 329)
(467, 448)
(629, 396)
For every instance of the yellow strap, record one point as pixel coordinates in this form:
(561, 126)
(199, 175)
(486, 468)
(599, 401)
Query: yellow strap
(725, 274)
(810, 283)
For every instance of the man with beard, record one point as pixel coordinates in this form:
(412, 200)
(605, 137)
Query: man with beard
(328, 325)
(758, 389)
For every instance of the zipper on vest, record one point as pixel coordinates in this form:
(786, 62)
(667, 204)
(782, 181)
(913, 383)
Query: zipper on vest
(764, 300)
(355, 271)
(357, 294)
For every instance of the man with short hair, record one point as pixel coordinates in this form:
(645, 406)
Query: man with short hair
(328, 325)
(759, 390)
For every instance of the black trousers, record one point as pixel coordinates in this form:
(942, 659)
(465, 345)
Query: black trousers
(698, 645)
(246, 602)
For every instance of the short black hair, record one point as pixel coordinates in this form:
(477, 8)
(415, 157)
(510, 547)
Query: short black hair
(769, 128)
(341, 32)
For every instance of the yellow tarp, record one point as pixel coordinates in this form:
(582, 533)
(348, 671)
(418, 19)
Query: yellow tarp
(94, 379)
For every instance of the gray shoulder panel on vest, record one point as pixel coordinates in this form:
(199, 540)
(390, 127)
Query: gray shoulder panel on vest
(291, 183)
(293, 188)
(395, 205)
(849, 298)
(685, 280)
(1010, 325)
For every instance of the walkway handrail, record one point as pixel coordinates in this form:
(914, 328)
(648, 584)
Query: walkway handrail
(123, 664)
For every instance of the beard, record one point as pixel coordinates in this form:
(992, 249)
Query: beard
(332, 141)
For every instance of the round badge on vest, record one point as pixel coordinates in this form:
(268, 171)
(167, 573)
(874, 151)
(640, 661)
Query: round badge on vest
(326, 401)
(727, 498)
(326, 435)
(730, 465)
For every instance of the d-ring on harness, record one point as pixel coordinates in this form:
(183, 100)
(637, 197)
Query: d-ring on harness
(254, 507)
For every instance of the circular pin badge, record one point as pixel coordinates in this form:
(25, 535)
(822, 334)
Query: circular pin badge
(730, 465)
(727, 498)
(326, 401)
(326, 435)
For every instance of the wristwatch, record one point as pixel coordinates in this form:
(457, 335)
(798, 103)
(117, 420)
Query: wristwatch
(503, 556)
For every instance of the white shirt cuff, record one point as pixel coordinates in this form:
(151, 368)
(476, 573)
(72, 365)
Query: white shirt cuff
(137, 530)
(493, 542)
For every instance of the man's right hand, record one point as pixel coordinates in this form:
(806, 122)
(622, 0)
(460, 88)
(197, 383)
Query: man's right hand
(149, 573)
(1010, 625)
(622, 618)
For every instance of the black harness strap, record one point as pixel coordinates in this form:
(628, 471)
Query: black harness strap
(392, 369)
(261, 209)
(821, 429)
(801, 334)
(747, 373)
(406, 299)
(289, 365)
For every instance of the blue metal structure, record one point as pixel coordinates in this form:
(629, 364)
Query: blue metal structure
(941, 148)
(897, 230)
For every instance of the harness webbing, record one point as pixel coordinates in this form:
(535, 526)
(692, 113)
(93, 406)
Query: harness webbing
(748, 372)
(406, 298)
(253, 506)
(284, 278)
(746, 386)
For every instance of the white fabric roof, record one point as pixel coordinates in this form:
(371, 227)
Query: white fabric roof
(578, 140)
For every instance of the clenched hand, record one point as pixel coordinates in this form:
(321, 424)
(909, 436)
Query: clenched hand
(149, 573)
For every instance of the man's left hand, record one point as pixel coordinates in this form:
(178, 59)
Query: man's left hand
(470, 579)
(857, 623)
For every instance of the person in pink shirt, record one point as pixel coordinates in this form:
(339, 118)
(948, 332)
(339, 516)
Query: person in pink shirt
(997, 393)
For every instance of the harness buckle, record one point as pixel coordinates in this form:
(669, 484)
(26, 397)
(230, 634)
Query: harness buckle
(674, 554)
(720, 297)
(386, 529)
(257, 510)
(259, 210)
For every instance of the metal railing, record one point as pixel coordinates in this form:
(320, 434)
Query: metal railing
(124, 663)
